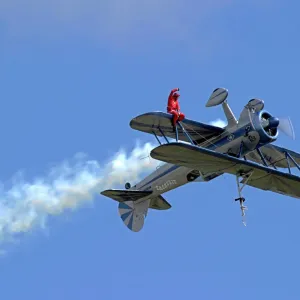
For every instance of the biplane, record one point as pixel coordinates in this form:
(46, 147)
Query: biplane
(198, 152)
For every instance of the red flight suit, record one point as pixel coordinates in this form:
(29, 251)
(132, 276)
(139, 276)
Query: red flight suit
(174, 108)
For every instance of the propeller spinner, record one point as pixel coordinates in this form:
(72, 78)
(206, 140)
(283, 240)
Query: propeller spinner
(283, 124)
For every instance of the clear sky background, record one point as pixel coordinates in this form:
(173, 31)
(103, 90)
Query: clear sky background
(73, 74)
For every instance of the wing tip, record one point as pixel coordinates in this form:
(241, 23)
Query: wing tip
(105, 192)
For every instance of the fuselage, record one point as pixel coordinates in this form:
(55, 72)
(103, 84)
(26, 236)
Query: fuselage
(247, 136)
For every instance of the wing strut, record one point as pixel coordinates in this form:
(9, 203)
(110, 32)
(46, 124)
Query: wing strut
(262, 157)
(157, 137)
(176, 133)
(287, 157)
(162, 133)
(187, 135)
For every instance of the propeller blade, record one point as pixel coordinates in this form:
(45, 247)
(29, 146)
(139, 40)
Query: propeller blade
(286, 126)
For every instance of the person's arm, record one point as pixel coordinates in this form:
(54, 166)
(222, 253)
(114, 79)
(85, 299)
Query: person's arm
(172, 92)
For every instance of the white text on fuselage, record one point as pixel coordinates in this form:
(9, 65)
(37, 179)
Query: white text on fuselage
(166, 185)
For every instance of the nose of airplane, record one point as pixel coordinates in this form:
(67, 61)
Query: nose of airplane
(273, 122)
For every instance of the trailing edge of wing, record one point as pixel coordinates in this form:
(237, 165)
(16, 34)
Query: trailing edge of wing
(209, 161)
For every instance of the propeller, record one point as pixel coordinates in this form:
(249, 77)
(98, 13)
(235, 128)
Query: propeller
(286, 127)
(283, 124)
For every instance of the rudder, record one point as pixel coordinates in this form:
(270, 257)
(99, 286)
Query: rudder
(133, 206)
(133, 214)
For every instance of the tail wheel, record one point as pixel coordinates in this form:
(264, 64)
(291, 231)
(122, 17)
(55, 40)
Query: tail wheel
(193, 175)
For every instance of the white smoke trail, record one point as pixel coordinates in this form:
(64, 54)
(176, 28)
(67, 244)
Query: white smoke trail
(218, 123)
(26, 206)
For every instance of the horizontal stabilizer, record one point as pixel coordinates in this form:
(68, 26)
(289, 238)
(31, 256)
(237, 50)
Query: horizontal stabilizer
(125, 195)
(157, 202)
(133, 212)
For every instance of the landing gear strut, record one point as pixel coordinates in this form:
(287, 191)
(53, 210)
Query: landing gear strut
(241, 199)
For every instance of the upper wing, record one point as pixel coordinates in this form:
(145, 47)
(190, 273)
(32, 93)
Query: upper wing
(209, 161)
(151, 122)
(275, 156)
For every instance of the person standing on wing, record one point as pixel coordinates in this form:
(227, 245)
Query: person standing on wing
(174, 107)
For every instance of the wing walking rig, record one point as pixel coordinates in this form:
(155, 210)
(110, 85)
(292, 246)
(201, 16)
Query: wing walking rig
(202, 152)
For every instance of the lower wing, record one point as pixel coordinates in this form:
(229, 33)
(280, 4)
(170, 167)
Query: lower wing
(208, 161)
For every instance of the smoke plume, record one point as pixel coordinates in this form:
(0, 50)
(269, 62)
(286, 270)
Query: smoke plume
(218, 123)
(26, 206)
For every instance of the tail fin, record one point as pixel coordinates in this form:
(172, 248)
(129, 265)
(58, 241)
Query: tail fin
(133, 209)
(133, 214)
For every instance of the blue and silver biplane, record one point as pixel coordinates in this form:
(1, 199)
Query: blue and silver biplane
(202, 152)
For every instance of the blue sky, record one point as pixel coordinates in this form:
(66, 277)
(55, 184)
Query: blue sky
(73, 74)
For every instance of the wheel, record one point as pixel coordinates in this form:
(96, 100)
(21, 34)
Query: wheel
(192, 175)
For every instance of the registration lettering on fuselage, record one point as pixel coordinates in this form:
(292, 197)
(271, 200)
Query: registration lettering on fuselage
(166, 185)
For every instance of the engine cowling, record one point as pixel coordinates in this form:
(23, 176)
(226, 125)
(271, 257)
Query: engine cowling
(266, 125)
(261, 121)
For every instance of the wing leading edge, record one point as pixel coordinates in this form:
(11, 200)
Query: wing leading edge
(208, 161)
